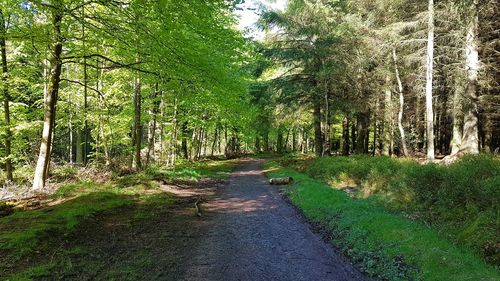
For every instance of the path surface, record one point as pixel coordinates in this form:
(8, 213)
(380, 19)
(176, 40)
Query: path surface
(253, 234)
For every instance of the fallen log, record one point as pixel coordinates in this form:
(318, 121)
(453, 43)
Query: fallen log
(281, 181)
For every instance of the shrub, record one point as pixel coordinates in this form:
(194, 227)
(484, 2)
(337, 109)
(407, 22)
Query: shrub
(64, 173)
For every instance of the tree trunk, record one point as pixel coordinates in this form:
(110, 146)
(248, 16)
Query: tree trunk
(184, 145)
(43, 162)
(173, 138)
(401, 104)
(428, 88)
(6, 99)
(457, 133)
(375, 127)
(78, 146)
(216, 137)
(137, 122)
(279, 142)
(345, 136)
(318, 136)
(85, 99)
(363, 122)
(327, 144)
(353, 137)
(152, 124)
(265, 141)
(386, 134)
(70, 125)
(470, 142)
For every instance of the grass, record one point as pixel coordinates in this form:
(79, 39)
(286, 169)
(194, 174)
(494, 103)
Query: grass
(27, 237)
(385, 245)
(461, 201)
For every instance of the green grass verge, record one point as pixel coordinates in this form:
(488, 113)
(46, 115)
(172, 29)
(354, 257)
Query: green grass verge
(28, 235)
(384, 245)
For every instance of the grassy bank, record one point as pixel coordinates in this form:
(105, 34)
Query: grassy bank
(385, 244)
(34, 233)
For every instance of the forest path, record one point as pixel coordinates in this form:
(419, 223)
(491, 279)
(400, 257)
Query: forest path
(254, 234)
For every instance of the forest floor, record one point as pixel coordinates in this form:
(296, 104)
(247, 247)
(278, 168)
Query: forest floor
(247, 231)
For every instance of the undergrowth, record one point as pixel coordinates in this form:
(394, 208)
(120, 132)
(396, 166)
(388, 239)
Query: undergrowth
(385, 245)
(461, 201)
(33, 230)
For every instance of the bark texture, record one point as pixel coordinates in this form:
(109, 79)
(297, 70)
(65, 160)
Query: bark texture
(6, 99)
(428, 88)
(43, 162)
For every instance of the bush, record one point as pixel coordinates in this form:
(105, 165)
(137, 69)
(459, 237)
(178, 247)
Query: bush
(65, 173)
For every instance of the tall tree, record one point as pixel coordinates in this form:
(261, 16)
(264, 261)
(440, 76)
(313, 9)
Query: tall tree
(470, 140)
(401, 103)
(6, 97)
(429, 83)
(43, 162)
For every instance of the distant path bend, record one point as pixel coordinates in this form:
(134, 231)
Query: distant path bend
(255, 235)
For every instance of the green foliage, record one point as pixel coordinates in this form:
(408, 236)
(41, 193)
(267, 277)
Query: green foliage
(65, 173)
(461, 200)
(386, 246)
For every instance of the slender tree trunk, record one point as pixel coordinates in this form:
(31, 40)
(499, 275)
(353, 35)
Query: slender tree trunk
(265, 140)
(137, 122)
(362, 137)
(79, 154)
(85, 99)
(173, 139)
(367, 132)
(353, 136)
(470, 141)
(375, 121)
(428, 88)
(184, 145)
(103, 119)
(386, 136)
(401, 104)
(327, 145)
(152, 124)
(318, 136)
(345, 136)
(6, 99)
(70, 125)
(279, 142)
(205, 142)
(43, 162)
(457, 133)
(216, 136)
(287, 140)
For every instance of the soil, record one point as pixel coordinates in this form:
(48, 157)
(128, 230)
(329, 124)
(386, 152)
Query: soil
(254, 234)
(247, 231)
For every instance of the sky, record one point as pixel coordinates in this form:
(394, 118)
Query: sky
(248, 15)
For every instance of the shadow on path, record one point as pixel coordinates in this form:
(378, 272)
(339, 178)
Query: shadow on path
(253, 234)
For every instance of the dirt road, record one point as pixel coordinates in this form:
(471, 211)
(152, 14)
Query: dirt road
(253, 234)
(247, 232)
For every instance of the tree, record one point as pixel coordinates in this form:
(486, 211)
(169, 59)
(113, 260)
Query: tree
(6, 97)
(43, 162)
(470, 140)
(429, 80)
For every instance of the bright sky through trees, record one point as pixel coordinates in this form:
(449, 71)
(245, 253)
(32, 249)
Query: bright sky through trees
(249, 14)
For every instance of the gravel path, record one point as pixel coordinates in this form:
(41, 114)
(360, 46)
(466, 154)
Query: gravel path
(253, 234)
